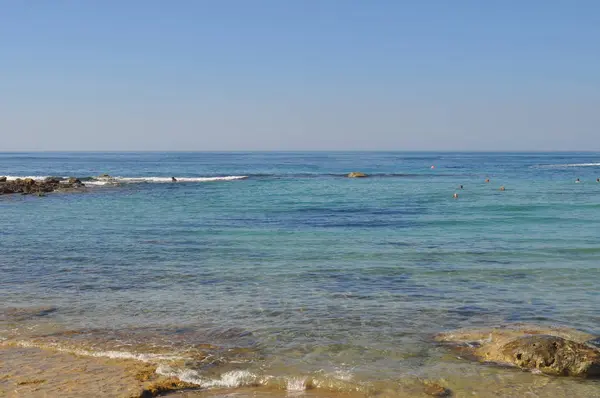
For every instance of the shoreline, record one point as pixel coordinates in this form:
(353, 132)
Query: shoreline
(43, 372)
(40, 357)
(33, 372)
(30, 369)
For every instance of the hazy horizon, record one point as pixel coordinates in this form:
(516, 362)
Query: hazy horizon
(408, 151)
(300, 76)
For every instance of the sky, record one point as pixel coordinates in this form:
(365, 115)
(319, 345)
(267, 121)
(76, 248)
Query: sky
(300, 75)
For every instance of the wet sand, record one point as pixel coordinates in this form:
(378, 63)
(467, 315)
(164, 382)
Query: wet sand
(35, 372)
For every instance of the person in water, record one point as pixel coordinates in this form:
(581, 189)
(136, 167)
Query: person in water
(173, 179)
(502, 188)
(577, 181)
(455, 196)
(597, 179)
(461, 187)
(487, 180)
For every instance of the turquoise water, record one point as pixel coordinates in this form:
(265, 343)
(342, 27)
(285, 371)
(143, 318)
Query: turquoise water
(307, 271)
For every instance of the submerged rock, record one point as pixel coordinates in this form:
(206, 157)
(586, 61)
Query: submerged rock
(552, 351)
(165, 386)
(25, 313)
(357, 174)
(436, 390)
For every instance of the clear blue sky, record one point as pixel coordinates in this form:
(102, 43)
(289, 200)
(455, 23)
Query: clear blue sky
(300, 74)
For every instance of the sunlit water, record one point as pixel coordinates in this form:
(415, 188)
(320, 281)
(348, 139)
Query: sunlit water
(295, 271)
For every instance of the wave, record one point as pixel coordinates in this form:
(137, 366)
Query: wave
(175, 365)
(231, 379)
(116, 180)
(245, 378)
(344, 175)
(159, 180)
(109, 180)
(37, 178)
(566, 165)
(142, 357)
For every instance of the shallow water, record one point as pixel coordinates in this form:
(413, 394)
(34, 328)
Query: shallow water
(296, 272)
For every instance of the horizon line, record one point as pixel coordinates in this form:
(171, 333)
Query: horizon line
(295, 151)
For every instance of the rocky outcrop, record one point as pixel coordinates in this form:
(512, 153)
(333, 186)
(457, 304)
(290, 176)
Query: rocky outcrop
(53, 180)
(357, 174)
(39, 187)
(3, 179)
(551, 351)
(74, 181)
(552, 355)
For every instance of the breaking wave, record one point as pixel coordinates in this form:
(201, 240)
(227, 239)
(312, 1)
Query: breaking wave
(566, 165)
(175, 365)
(109, 180)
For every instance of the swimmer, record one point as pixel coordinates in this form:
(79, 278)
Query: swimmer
(597, 179)
(455, 196)
(577, 181)
(461, 187)
(502, 188)
(487, 180)
(173, 179)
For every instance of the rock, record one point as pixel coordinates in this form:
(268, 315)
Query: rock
(52, 180)
(357, 174)
(164, 386)
(39, 187)
(552, 355)
(74, 181)
(436, 390)
(13, 314)
(29, 186)
(104, 176)
(551, 351)
(3, 179)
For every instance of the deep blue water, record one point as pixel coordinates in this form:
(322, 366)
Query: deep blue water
(316, 270)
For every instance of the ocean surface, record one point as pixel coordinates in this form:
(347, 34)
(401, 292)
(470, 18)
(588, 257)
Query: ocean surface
(259, 268)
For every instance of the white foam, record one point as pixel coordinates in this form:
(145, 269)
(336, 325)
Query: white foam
(296, 384)
(102, 354)
(231, 379)
(12, 178)
(343, 374)
(100, 181)
(179, 179)
(97, 183)
(559, 166)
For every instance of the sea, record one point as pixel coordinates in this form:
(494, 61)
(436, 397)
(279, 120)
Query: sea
(274, 269)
